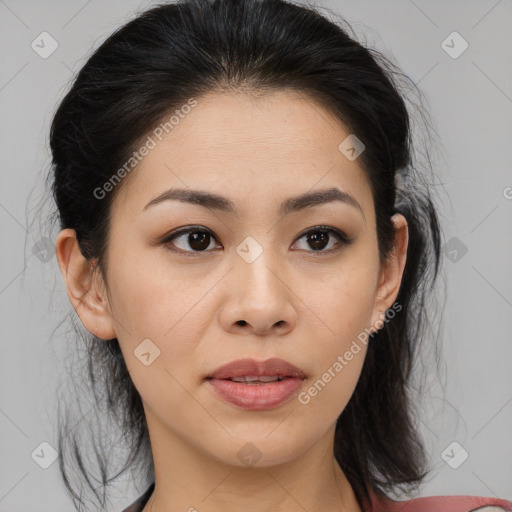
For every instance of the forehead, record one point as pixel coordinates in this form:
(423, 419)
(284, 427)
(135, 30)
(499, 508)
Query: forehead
(245, 146)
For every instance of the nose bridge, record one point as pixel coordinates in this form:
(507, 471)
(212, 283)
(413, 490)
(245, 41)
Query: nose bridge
(257, 267)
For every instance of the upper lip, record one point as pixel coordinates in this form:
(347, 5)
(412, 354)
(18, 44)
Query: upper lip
(251, 367)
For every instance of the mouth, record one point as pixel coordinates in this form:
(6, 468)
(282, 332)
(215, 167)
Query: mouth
(254, 385)
(250, 370)
(256, 395)
(254, 380)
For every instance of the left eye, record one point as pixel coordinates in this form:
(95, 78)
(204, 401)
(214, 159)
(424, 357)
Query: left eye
(199, 240)
(320, 236)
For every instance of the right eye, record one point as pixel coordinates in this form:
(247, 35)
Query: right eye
(197, 239)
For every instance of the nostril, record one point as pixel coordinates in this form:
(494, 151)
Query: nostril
(241, 322)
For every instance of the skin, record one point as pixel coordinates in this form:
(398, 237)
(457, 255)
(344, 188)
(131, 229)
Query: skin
(257, 152)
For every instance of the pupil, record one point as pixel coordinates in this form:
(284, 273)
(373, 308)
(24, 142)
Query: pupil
(197, 240)
(318, 238)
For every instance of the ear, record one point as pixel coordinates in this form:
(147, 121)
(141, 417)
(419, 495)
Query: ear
(391, 272)
(85, 287)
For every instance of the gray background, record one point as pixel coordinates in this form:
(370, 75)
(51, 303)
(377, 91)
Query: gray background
(470, 98)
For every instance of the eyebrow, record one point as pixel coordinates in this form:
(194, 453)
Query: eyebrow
(293, 204)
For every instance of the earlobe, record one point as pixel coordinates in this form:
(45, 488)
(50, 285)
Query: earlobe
(83, 285)
(392, 270)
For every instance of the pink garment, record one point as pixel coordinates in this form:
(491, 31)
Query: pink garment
(438, 504)
(427, 504)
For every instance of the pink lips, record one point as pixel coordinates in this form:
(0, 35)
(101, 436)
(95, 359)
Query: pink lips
(262, 395)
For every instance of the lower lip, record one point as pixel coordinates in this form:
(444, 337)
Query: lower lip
(257, 396)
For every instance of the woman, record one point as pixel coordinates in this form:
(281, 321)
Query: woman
(247, 238)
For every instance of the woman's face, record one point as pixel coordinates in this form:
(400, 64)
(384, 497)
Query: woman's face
(247, 281)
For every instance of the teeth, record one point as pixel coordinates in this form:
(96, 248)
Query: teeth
(253, 378)
(269, 379)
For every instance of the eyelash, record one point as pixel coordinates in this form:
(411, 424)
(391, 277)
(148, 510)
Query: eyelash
(342, 238)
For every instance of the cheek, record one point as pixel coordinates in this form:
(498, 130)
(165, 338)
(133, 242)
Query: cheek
(345, 308)
(330, 388)
(159, 311)
(344, 301)
(149, 297)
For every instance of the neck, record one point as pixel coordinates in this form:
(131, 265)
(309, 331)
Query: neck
(187, 479)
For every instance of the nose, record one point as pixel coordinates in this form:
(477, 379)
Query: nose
(259, 299)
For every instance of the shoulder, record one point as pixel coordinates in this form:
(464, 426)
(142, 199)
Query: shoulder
(490, 509)
(141, 501)
(441, 504)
